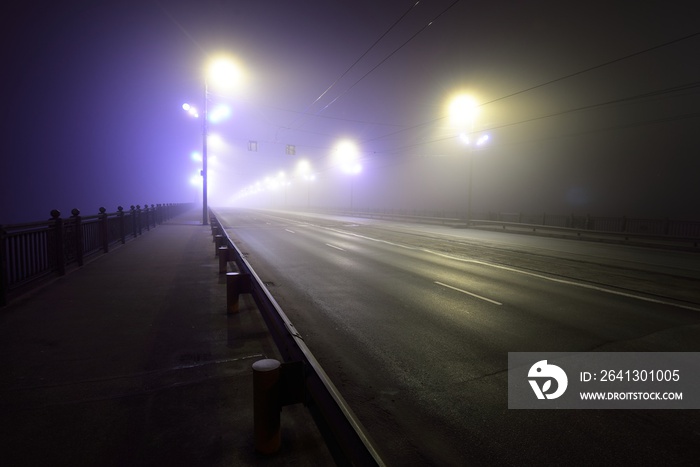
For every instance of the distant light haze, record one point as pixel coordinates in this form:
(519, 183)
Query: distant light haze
(589, 107)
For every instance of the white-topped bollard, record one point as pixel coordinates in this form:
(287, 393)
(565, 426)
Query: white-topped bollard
(223, 259)
(266, 405)
(236, 284)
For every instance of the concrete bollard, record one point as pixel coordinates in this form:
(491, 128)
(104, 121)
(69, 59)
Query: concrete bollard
(236, 284)
(266, 405)
(223, 259)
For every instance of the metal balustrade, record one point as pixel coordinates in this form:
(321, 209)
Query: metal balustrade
(32, 253)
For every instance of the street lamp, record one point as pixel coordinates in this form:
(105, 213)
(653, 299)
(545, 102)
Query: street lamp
(463, 110)
(347, 156)
(304, 171)
(221, 72)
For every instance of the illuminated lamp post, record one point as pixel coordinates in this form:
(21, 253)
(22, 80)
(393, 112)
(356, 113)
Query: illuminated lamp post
(347, 156)
(304, 171)
(463, 110)
(223, 72)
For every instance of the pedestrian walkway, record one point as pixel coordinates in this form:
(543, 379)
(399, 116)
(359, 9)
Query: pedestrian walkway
(132, 360)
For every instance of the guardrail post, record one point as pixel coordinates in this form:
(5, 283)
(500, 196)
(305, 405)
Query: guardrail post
(77, 225)
(266, 405)
(236, 284)
(218, 243)
(223, 259)
(59, 255)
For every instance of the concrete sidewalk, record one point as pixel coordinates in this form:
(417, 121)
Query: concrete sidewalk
(132, 360)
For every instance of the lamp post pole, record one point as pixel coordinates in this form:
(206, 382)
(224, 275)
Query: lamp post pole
(469, 188)
(205, 213)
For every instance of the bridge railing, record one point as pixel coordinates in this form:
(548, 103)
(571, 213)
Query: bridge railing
(32, 253)
(345, 436)
(673, 233)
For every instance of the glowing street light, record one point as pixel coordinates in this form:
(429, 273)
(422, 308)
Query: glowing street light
(304, 171)
(223, 73)
(190, 109)
(347, 156)
(463, 110)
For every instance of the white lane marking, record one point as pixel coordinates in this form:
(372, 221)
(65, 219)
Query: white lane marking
(469, 293)
(333, 246)
(519, 271)
(568, 282)
(290, 231)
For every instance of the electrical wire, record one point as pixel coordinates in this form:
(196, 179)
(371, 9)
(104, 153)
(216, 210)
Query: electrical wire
(364, 54)
(628, 99)
(552, 81)
(392, 53)
(374, 44)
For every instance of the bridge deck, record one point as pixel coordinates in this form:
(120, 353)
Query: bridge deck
(132, 360)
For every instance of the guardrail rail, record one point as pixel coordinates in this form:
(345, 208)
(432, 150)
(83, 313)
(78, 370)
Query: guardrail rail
(668, 233)
(345, 436)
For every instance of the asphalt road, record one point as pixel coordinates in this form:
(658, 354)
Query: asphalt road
(414, 325)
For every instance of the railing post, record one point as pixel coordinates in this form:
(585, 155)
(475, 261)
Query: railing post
(138, 218)
(146, 211)
(59, 255)
(77, 225)
(104, 230)
(122, 227)
(152, 213)
(133, 221)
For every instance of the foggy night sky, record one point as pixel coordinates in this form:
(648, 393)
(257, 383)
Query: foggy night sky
(93, 92)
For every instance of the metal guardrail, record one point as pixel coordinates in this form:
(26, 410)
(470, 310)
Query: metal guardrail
(649, 232)
(32, 253)
(345, 436)
(621, 224)
(590, 234)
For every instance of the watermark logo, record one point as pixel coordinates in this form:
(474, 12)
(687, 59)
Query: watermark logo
(543, 374)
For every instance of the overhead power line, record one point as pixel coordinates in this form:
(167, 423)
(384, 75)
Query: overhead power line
(392, 53)
(374, 44)
(552, 81)
(674, 89)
